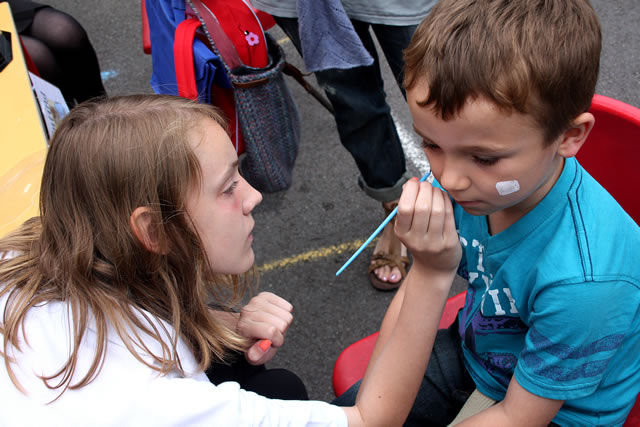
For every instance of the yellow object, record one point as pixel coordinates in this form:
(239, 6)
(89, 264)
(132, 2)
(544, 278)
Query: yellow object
(20, 191)
(22, 137)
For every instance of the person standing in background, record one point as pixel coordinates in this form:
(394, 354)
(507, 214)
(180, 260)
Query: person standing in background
(363, 117)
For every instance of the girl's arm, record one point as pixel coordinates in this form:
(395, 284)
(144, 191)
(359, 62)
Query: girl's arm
(426, 226)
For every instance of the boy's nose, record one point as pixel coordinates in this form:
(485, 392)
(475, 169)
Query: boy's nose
(453, 178)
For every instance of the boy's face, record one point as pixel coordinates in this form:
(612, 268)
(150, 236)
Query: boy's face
(221, 207)
(489, 162)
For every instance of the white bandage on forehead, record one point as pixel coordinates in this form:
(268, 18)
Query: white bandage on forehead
(507, 187)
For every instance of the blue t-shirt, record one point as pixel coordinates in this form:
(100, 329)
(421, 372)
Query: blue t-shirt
(554, 299)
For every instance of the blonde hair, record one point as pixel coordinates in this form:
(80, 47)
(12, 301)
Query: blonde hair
(537, 57)
(107, 158)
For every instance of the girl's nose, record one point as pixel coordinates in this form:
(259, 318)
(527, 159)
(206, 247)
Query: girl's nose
(252, 199)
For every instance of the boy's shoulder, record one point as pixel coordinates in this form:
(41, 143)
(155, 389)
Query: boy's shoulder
(593, 226)
(608, 237)
(599, 216)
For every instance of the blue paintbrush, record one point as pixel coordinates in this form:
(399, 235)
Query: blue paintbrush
(375, 233)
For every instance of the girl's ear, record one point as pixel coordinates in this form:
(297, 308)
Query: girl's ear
(145, 228)
(576, 135)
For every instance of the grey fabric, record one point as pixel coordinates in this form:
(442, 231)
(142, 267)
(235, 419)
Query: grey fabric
(328, 38)
(388, 12)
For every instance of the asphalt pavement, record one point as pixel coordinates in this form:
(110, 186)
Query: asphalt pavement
(303, 235)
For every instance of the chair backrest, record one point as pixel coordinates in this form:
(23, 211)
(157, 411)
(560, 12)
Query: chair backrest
(352, 362)
(611, 153)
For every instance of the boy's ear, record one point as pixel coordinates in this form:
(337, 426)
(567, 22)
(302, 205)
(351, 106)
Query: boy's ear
(573, 138)
(144, 227)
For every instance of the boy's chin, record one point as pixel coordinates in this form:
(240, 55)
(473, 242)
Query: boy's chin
(477, 210)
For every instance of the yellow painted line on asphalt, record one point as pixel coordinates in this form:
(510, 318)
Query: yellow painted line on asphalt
(312, 255)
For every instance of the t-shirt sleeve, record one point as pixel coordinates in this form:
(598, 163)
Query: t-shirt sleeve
(575, 329)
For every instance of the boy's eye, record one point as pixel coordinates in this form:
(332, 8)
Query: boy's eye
(231, 188)
(486, 161)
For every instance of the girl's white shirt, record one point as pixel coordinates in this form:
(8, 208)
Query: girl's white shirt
(126, 392)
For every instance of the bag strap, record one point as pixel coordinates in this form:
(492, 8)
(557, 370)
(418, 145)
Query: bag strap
(183, 58)
(297, 75)
(218, 40)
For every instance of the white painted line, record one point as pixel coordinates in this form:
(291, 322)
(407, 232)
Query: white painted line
(411, 147)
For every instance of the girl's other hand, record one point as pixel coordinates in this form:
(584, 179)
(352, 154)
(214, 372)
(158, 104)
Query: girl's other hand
(265, 317)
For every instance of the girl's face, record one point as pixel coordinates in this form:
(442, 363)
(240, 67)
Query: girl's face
(221, 207)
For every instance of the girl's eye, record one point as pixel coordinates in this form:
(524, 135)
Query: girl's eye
(429, 145)
(231, 188)
(485, 161)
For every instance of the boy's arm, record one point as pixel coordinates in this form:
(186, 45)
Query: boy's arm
(519, 408)
(587, 325)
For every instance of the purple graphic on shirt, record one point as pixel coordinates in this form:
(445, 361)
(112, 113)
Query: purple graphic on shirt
(499, 365)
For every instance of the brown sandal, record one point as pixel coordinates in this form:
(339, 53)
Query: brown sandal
(381, 259)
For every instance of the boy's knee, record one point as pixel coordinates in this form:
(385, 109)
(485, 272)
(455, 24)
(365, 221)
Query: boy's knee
(348, 398)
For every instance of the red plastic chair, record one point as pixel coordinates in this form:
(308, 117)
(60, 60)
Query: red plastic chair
(352, 362)
(612, 151)
(610, 155)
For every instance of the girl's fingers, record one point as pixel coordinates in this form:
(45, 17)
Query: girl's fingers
(266, 320)
(259, 354)
(436, 214)
(449, 222)
(268, 303)
(275, 300)
(263, 325)
(404, 217)
(422, 210)
(277, 311)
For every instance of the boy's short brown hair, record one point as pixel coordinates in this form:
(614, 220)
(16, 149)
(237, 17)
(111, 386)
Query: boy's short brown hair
(536, 57)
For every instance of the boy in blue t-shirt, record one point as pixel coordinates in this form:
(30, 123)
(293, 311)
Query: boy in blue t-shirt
(499, 91)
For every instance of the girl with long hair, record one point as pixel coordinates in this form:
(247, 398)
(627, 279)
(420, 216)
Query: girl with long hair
(145, 224)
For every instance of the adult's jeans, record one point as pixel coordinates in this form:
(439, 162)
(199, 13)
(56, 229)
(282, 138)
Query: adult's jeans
(362, 115)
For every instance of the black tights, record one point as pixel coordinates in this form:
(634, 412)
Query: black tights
(271, 383)
(63, 55)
